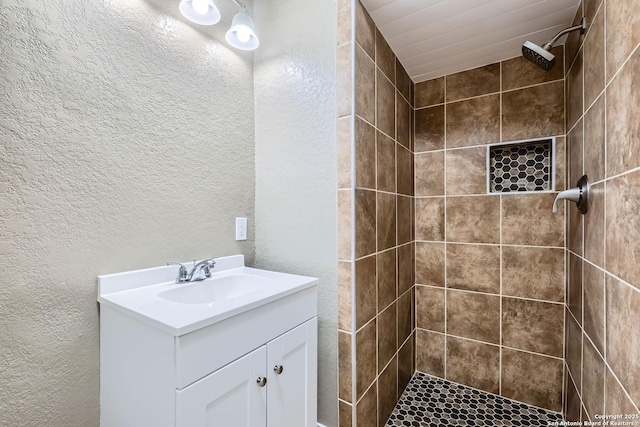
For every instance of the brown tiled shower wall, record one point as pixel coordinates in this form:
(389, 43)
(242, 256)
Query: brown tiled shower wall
(602, 338)
(489, 268)
(491, 271)
(375, 208)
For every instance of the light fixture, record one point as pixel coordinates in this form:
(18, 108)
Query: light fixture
(202, 12)
(241, 35)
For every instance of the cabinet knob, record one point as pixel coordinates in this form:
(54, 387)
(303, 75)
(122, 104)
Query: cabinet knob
(278, 369)
(262, 381)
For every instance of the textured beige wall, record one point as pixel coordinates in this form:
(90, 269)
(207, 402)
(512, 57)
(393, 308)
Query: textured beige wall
(127, 140)
(295, 161)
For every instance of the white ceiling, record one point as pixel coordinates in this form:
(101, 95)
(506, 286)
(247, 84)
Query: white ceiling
(433, 38)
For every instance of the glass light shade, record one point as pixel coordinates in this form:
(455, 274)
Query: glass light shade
(200, 6)
(211, 17)
(241, 35)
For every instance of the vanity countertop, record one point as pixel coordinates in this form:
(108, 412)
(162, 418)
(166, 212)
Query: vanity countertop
(151, 295)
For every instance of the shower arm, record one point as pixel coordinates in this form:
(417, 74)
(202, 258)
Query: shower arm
(582, 27)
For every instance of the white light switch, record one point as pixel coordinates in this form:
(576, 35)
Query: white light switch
(241, 228)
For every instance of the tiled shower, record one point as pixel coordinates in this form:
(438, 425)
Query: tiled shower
(485, 317)
(490, 291)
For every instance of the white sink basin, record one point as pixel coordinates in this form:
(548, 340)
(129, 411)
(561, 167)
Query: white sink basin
(217, 289)
(151, 295)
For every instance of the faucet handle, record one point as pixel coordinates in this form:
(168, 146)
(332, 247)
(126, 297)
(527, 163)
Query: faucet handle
(210, 264)
(182, 272)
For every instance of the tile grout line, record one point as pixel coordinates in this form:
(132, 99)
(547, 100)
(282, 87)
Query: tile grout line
(624, 390)
(382, 192)
(397, 257)
(582, 334)
(352, 230)
(606, 83)
(375, 168)
(509, 245)
(603, 94)
(579, 393)
(498, 143)
(488, 393)
(607, 273)
(491, 344)
(413, 316)
(565, 179)
(382, 251)
(557, 303)
(501, 255)
(375, 380)
(444, 174)
(594, 346)
(501, 297)
(581, 122)
(500, 91)
(621, 67)
(506, 194)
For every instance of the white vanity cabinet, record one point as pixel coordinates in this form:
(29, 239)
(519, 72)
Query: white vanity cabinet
(291, 394)
(227, 397)
(273, 386)
(230, 359)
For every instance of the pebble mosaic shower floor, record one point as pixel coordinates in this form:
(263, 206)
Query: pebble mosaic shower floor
(433, 402)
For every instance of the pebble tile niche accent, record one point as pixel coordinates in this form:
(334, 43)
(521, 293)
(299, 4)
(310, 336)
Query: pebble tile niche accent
(433, 402)
(523, 166)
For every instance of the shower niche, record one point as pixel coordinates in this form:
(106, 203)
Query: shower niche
(521, 166)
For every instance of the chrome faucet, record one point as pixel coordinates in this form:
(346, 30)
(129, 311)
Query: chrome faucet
(200, 271)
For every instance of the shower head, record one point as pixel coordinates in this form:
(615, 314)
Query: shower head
(542, 56)
(539, 55)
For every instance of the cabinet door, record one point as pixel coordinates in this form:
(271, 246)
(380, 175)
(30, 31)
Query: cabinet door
(228, 397)
(292, 394)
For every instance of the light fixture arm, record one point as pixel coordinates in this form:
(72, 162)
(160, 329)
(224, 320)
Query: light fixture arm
(241, 5)
(241, 35)
(582, 27)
